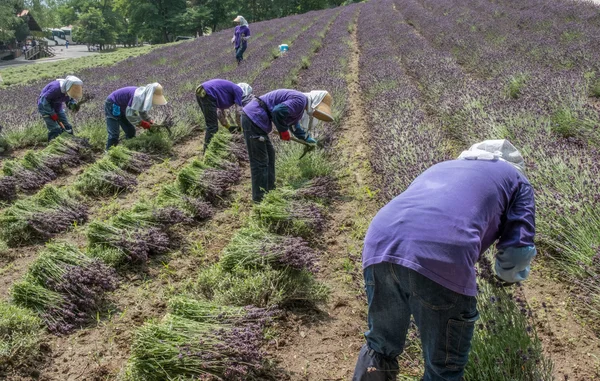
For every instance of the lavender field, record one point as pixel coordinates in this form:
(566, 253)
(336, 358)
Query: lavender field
(151, 263)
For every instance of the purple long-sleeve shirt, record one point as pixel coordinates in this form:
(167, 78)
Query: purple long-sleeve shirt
(449, 216)
(226, 93)
(122, 97)
(293, 101)
(55, 97)
(241, 31)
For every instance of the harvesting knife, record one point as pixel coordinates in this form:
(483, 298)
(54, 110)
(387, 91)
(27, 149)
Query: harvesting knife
(307, 146)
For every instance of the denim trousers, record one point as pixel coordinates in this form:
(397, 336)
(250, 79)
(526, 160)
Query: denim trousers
(239, 52)
(262, 159)
(446, 322)
(208, 105)
(113, 123)
(54, 129)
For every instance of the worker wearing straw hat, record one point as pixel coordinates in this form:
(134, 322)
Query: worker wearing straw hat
(50, 104)
(128, 107)
(220, 94)
(240, 38)
(284, 108)
(420, 253)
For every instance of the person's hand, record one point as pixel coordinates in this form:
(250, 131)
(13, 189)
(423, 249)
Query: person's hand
(285, 135)
(54, 117)
(145, 124)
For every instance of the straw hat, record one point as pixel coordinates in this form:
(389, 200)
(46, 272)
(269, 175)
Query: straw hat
(158, 99)
(323, 110)
(75, 92)
(237, 19)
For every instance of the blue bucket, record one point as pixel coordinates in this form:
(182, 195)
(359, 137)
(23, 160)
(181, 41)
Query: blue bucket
(283, 48)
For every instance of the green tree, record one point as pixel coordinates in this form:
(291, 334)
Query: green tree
(11, 26)
(155, 20)
(195, 20)
(93, 29)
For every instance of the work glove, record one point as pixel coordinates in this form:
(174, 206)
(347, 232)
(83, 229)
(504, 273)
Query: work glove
(69, 130)
(145, 124)
(54, 117)
(73, 105)
(285, 135)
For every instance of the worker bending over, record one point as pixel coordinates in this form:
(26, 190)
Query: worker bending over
(128, 107)
(50, 104)
(220, 94)
(420, 253)
(283, 108)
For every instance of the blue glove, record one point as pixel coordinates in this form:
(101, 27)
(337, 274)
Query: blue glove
(512, 263)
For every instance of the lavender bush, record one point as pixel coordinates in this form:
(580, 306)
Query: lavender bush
(40, 217)
(75, 283)
(179, 347)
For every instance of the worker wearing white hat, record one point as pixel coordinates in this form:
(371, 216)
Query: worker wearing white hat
(240, 38)
(128, 107)
(50, 104)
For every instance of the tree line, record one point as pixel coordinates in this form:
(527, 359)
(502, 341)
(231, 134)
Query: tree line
(130, 22)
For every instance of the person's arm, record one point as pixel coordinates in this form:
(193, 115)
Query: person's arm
(280, 114)
(516, 247)
(47, 109)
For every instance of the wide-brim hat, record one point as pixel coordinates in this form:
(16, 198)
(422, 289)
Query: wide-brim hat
(237, 19)
(323, 110)
(75, 92)
(158, 98)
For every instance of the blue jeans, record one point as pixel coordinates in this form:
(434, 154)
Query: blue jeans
(113, 123)
(208, 105)
(446, 321)
(54, 129)
(262, 159)
(239, 52)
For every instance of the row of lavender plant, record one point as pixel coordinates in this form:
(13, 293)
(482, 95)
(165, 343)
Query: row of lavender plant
(442, 89)
(403, 138)
(547, 115)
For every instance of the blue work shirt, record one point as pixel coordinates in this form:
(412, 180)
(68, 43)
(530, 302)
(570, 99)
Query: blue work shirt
(449, 216)
(286, 107)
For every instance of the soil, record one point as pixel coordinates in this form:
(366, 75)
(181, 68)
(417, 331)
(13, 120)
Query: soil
(323, 344)
(573, 347)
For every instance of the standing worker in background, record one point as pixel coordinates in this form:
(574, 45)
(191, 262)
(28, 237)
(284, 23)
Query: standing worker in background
(420, 253)
(219, 94)
(240, 38)
(283, 108)
(128, 107)
(50, 104)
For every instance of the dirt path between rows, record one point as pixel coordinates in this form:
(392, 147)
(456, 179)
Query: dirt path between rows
(324, 344)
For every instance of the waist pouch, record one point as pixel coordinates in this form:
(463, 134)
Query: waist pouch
(116, 110)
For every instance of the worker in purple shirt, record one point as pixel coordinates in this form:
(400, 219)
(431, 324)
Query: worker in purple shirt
(284, 109)
(420, 253)
(128, 107)
(240, 38)
(50, 104)
(220, 94)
